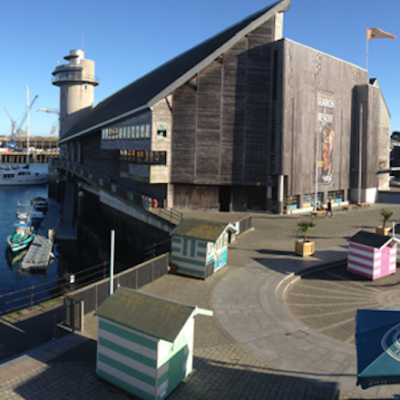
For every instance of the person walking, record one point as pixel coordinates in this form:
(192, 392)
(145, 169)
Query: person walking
(329, 208)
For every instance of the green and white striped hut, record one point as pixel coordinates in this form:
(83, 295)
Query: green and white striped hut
(145, 343)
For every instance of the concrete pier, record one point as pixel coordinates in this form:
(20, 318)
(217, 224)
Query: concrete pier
(40, 251)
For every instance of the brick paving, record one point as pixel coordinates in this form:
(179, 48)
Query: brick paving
(232, 347)
(327, 301)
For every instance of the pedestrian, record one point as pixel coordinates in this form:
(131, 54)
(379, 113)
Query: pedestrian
(329, 208)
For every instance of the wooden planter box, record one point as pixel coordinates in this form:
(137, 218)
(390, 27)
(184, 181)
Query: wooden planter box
(304, 248)
(383, 231)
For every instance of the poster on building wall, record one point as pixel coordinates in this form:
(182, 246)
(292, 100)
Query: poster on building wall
(326, 138)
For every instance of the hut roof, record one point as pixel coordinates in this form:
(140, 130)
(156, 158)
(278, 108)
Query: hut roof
(202, 229)
(371, 239)
(157, 84)
(152, 315)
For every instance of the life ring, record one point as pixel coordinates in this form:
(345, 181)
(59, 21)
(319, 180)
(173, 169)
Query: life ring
(154, 203)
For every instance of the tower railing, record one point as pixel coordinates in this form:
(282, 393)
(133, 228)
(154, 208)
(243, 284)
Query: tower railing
(75, 76)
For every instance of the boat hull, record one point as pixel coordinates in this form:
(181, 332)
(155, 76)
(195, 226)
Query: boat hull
(17, 245)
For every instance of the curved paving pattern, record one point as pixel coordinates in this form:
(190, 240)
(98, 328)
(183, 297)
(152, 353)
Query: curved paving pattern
(327, 301)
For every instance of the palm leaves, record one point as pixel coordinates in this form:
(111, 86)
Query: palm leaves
(304, 227)
(386, 214)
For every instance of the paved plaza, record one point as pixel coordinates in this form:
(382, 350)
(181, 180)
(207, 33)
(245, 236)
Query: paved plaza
(271, 337)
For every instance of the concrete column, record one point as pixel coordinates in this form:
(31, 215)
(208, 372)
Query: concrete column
(170, 195)
(81, 195)
(269, 198)
(280, 195)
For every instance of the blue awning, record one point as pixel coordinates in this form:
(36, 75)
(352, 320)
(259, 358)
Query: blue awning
(378, 347)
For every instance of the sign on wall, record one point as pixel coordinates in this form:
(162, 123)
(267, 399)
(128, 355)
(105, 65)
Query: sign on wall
(326, 137)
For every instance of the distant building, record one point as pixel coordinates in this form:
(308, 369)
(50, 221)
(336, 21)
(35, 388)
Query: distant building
(239, 122)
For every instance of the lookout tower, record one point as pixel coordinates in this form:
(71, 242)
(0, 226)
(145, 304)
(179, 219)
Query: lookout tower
(76, 80)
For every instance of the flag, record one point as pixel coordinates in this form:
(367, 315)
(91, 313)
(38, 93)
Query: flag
(376, 33)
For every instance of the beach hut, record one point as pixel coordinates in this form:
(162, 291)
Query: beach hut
(145, 343)
(200, 247)
(372, 255)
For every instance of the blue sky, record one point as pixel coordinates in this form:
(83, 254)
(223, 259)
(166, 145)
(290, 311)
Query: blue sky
(128, 38)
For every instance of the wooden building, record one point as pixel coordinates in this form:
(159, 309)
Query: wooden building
(200, 247)
(372, 255)
(241, 121)
(145, 343)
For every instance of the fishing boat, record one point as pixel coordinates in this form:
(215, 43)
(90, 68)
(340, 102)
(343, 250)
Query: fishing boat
(23, 233)
(39, 204)
(21, 176)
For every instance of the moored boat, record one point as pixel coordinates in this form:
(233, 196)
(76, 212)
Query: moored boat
(39, 204)
(11, 176)
(22, 236)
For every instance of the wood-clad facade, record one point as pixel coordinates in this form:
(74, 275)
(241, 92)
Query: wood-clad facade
(245, 120)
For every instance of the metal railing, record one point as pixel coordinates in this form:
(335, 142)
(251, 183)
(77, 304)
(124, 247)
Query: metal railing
(35, 294)
(168, 214)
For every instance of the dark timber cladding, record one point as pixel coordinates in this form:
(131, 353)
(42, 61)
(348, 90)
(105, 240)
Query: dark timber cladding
(308, 72)
(222, 117)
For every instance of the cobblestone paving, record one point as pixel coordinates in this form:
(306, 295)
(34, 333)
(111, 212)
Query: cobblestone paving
(327, 301)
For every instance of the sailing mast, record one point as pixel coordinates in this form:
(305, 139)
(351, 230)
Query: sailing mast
(28, 123)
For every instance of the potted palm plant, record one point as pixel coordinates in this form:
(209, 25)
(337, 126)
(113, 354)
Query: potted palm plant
(304, 247)
(383, 230)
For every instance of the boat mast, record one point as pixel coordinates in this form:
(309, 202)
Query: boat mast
(28, 123)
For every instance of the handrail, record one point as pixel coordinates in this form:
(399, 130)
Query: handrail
(28, 297)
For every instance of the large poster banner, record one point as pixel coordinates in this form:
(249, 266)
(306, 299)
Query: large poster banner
(326, 137)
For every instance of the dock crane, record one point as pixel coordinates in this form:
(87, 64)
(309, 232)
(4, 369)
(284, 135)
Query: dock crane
(16, 129)
(51, 111)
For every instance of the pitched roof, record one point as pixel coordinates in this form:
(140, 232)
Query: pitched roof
(154, 86)
(371, 239)
(201, 229)
(145, 313)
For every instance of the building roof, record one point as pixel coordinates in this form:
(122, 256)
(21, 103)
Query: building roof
(145, 313)
(157, 84)
(202, 229)
(371, 239)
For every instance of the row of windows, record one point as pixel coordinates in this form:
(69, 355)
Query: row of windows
(126, 132)
(292, 202)
(144, 157)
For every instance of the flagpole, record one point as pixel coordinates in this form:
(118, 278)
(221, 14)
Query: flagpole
(366, 52)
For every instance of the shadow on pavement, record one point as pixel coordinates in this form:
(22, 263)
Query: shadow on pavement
(20, 333)
(73, 375)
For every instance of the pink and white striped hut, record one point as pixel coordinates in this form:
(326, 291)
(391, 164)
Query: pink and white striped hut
(372, 255)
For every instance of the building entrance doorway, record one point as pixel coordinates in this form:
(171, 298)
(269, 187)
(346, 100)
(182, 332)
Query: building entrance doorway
(224, 198)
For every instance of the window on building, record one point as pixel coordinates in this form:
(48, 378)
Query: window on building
(309, 198)
(144, 157)
(291, 202)
(147, 131)
(336, 195)
(161, 130)
(142, 130)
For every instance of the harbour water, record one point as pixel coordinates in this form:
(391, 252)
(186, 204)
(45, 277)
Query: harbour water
(11, 276)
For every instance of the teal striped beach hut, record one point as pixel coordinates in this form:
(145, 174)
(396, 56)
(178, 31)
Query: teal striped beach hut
(145, 343)
(200, 247)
